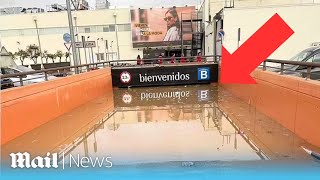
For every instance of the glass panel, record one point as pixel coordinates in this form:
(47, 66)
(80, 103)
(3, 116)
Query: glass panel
(106, 29)
(87, 30)
(112, 28)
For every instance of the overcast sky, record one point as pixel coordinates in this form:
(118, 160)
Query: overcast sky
(118, 3)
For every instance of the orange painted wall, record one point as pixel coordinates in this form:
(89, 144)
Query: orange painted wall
(293, 102)
(28, 107)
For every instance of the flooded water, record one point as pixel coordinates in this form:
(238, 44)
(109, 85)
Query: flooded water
(199, 123)
(186, 123)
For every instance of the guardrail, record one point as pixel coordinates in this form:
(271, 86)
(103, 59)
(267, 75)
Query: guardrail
(306, 65)
(70, 70)
(46, 73)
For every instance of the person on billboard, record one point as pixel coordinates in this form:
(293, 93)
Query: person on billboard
(173, 25)
(183, 59)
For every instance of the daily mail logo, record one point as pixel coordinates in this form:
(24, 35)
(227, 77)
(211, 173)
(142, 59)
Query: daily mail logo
(24, 160)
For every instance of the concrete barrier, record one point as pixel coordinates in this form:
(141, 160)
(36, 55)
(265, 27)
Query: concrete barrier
(291, 101)
(25, 108)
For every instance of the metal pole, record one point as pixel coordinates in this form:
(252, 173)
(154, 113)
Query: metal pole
(111, 51)
(85, 51)
(239, 35)
(90, 56)
(181, 35)
(105, 49)
(116, 28)
(74, 55)
(77, 35)
(98, 56)
(35, 21)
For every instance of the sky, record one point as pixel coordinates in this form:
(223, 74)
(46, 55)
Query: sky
(118, 3)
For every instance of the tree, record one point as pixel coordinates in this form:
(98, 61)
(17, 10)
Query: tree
(67, 54)
(34, 52)
(22, 54)
(52, 57)
(59, 54)
(45, 55)
(13, 55)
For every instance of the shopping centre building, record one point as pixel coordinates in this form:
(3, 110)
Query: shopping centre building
(124, 33)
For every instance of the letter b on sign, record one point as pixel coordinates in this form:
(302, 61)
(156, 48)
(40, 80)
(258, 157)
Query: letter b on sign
(203, 74)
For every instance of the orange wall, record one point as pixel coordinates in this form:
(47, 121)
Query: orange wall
(28, 107)
(293, 102)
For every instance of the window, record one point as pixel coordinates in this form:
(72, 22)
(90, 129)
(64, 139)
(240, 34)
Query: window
(315, 58)
(9, 71)
(54, 30)
(106, 29)
(100, 56)
(87, 30)
(124, 27)
(112, 28)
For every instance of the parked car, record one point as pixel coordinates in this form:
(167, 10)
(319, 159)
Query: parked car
(308, 55)
(27, 79)
(6, 83)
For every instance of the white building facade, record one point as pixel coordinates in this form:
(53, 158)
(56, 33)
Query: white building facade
(249, 15)
(21, 30)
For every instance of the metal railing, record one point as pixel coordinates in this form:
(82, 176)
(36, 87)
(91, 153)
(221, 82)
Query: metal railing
(45, 74)
(306, 68)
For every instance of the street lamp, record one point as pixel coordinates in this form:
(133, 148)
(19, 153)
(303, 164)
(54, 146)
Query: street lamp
(116, 28)
(91, 61)
(111, 50)
(39, 43)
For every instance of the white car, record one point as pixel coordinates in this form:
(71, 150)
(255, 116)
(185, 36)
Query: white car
(27, 79)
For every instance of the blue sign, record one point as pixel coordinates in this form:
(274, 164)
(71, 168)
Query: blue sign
(67, 37)
(221, 33)
(203, 73)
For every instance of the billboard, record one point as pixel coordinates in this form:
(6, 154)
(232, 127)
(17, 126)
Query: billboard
(159, 27)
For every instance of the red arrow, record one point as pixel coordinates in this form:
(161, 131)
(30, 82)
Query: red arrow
(236, 68)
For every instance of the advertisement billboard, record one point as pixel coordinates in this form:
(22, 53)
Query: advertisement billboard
(160, 26)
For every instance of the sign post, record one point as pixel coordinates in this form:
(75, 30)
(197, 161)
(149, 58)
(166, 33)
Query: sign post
(67, 44)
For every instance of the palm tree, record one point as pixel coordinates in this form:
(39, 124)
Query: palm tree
(52, 57)
(34, 52)
(59, 54)
(45, 55)
(22, 54)
(67, 54)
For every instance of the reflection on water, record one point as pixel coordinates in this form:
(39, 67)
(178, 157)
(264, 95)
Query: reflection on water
(168, 124)
(162, 124)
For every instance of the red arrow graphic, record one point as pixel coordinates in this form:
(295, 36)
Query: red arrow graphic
(236, 68)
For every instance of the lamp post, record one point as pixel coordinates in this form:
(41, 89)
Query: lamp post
(111, 50)
(116, 28)
(98, 56)
(83, 38)
(91, 61)
(39, 43)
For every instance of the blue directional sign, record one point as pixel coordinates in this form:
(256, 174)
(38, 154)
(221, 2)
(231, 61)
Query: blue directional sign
(66, 37)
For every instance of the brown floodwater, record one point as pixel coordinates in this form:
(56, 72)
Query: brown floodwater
(162, 124)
